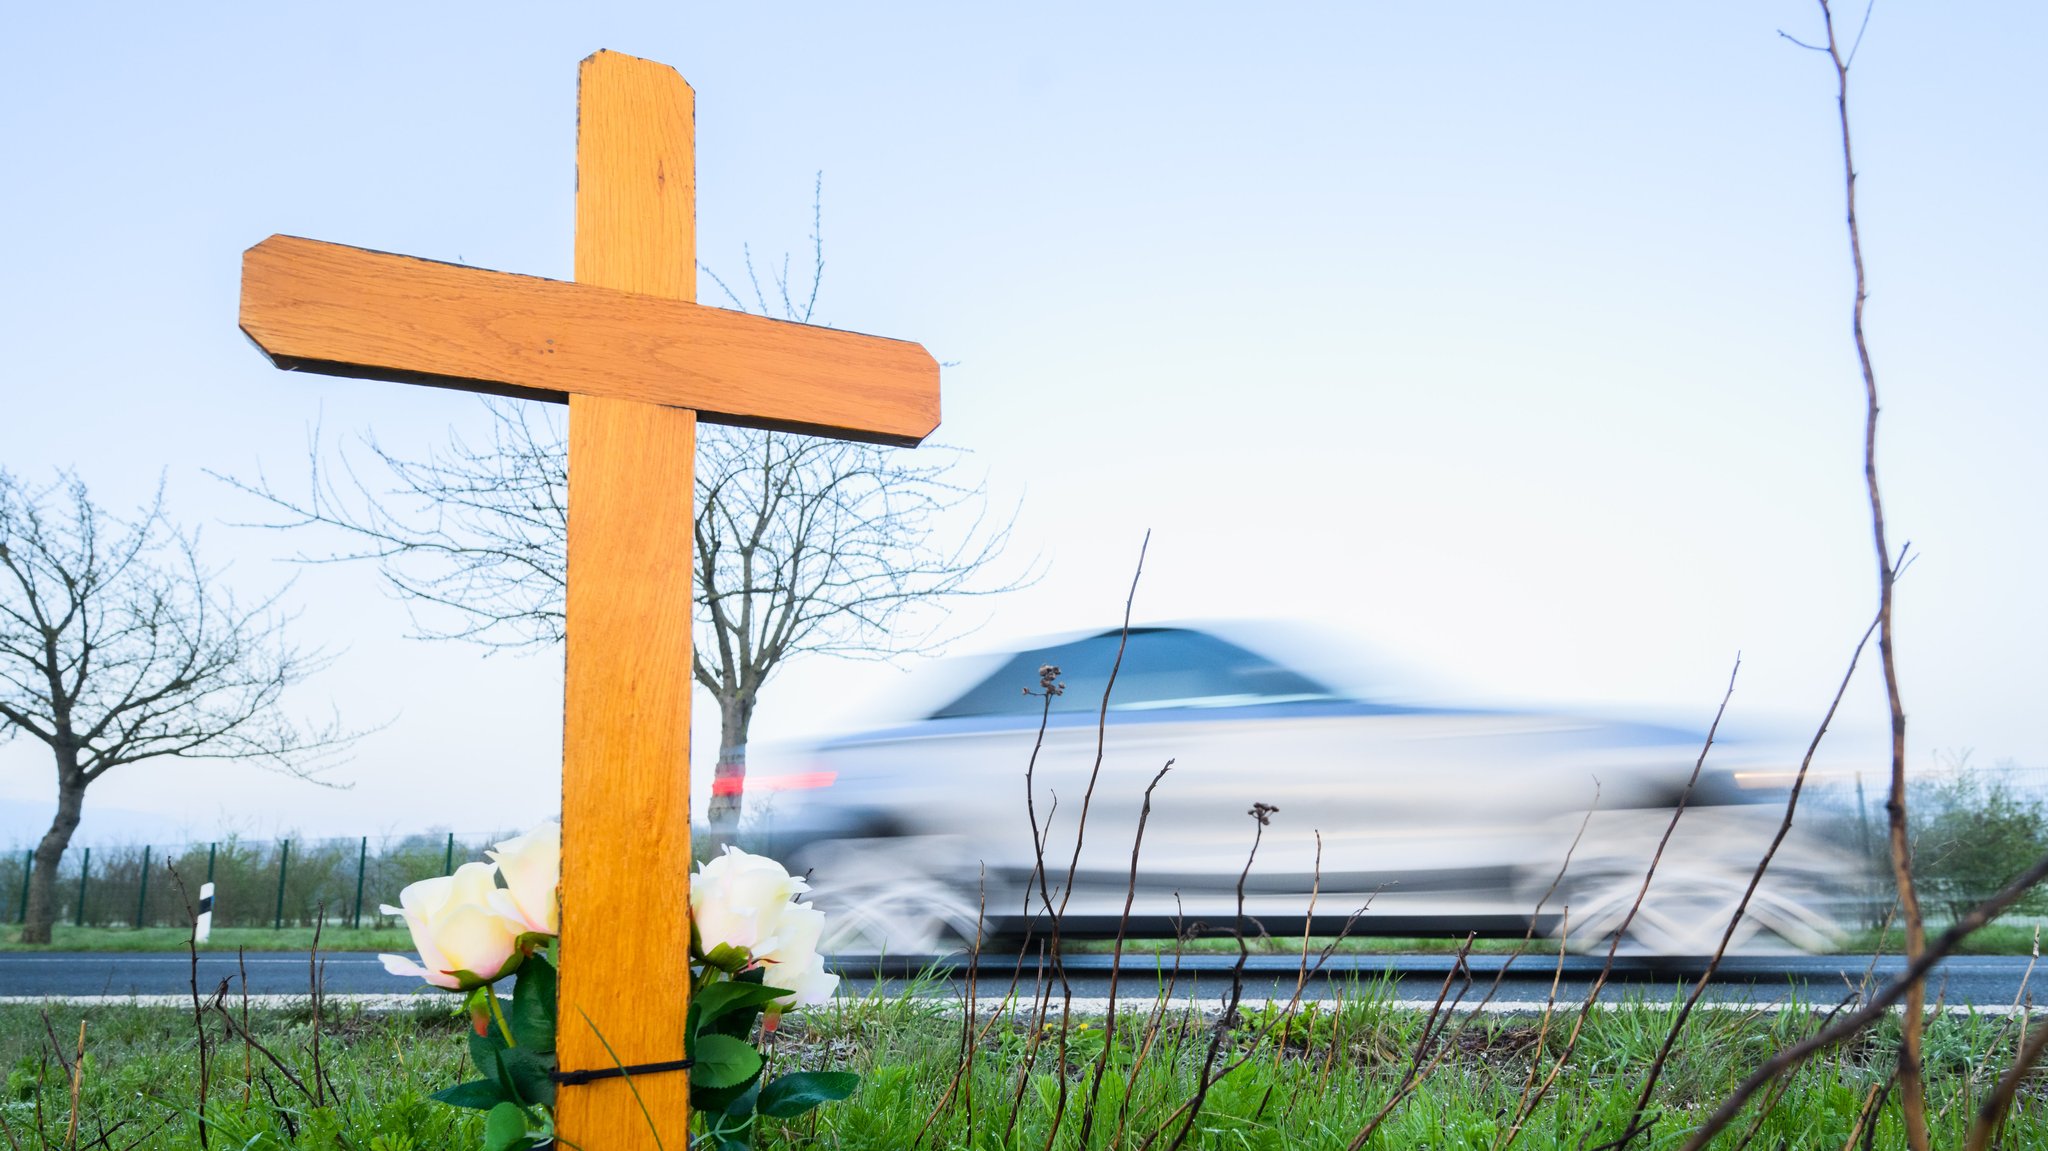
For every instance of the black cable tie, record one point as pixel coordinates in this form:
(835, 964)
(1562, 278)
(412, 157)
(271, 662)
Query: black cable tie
(576, 1078)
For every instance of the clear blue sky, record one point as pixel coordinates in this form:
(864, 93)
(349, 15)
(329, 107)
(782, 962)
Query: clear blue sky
(1512, 339)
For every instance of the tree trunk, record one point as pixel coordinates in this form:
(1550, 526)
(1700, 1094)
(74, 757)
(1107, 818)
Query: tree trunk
(42, 884)
(729, 779)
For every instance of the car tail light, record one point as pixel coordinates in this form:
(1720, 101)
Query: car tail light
(805, 781)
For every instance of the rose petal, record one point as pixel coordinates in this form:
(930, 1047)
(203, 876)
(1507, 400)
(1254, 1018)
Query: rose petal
(402, 966)
(532, 867)
(475, 940)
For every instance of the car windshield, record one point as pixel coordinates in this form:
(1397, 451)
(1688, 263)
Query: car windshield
(1162, 667)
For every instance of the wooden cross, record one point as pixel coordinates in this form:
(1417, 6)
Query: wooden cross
(638, 362)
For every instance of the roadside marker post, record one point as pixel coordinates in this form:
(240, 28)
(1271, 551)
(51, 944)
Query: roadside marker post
(202, 927)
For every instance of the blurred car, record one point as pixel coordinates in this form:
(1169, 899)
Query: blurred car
(1437, 820)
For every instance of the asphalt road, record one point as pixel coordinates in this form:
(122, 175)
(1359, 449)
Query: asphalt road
(1983, 982)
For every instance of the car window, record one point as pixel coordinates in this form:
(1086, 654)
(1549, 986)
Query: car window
(1162, 668)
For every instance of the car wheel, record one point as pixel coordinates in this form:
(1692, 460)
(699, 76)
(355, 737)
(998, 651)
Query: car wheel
(888, 897)
(1686, 915)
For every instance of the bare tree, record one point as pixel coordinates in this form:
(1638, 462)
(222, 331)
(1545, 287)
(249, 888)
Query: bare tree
(117, 646)
(803, 545)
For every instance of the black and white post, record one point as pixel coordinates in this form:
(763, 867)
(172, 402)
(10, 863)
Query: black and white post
(203, 925)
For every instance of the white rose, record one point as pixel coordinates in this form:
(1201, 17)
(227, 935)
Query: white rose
(532, 867)
(791, 959)
(738, 899)
(809, 985)
(462, 942)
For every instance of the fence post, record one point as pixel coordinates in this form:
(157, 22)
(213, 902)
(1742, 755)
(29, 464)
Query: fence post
(448, 861)
(1863, 814)
(284, 859)
(210, 848)
(84, 870)
(28, 866)
(142, 894)
(362, 860)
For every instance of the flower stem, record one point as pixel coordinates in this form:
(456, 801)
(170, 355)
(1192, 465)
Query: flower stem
(498, 1013)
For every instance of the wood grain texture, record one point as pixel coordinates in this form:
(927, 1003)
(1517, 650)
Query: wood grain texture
(626, 719)
(636, 192)
(353, 312)
(625, 767)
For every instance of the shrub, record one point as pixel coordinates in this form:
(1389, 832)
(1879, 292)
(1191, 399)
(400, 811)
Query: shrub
(1971, 832)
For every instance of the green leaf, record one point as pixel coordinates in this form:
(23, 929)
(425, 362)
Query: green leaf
(529, 1072)
(483, 1051)
(788, 1096)
(734, 1004)
(477, 1094)
(723, 1061)
(533, 1005)
(520, 1074)
(728, 958)
(723, 998)
(740, 1111)
(735, 1100)
(504, 1127)
(734, 1125)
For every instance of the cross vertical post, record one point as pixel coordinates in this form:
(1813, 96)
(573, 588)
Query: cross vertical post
(625, 976)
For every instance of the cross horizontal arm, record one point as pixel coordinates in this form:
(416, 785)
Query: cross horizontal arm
(353, 312)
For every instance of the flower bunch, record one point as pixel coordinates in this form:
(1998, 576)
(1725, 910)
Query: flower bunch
(469, 931)
(753, 948)
(744, 917)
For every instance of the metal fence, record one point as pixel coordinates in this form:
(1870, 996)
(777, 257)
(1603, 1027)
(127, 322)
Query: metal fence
(257, 883)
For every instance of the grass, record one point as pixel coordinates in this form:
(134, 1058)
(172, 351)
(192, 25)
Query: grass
(1311, 1078)
(1998, 938)
(139, 1086)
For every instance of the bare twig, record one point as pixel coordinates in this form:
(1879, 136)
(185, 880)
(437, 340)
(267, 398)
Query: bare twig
(198, 1008)
(1430, 1034)
(1699, 987)
(1866, 1118)
(1049, 685)
(1058, 915)
(1524, 1106)
(967, 1030)
(2028, 974)
(313, 979)
(1912, 1089)
(1614, 944)
(248, 1044)
(1116, 961)
(261, 1049)
(151, 1133)
(1181, 933)
(56, 1044)
(77, 1081)
(1261, 814)
(1914, 975)
(1756, 1125)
